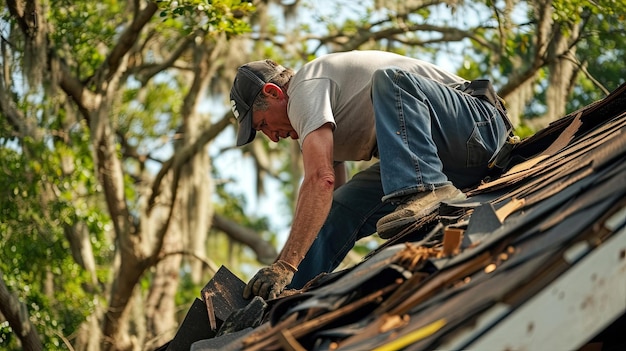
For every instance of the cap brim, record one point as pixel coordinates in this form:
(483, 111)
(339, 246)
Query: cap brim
(245, 134)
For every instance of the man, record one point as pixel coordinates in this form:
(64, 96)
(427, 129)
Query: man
(431, 138)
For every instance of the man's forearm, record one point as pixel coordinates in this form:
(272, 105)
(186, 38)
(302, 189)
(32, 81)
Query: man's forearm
(314, 201)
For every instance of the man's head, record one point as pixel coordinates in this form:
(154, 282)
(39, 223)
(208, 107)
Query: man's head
(248, 84)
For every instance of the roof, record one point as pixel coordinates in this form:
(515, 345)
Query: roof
(534, 259)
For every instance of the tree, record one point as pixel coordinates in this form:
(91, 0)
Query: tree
(102, 89)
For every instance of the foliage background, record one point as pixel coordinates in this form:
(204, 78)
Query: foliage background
(121, 192)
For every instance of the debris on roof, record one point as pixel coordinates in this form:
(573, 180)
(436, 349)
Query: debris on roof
(534, 259)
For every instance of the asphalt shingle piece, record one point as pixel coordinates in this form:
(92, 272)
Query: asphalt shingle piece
(225, 292)
(195, 327)
(220, 343)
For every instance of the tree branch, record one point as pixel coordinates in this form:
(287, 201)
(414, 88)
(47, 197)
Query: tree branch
(213, 267)
(185, 154)
(265, 253)
(22, 125)
(84, 98)
(25, 15)
(127, 40)
(146, 72)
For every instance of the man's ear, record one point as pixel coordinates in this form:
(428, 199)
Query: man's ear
(272, 90)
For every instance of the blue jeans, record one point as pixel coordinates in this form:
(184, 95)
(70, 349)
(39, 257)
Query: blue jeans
(428, 135)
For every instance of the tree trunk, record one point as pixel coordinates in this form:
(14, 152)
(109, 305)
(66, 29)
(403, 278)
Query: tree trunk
(17, 315)
(89, 335)
(562, 69)
(160, 311)
(190, 224)
(198, 212)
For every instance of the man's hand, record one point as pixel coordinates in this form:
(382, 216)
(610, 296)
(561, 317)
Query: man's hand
(270, 281)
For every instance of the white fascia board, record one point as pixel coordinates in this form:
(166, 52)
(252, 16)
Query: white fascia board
(571, 310)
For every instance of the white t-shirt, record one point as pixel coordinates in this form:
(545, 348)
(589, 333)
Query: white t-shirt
(336, 88)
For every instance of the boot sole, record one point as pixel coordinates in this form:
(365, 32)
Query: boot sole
(390, 229)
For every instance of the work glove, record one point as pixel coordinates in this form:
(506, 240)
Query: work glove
(269, 282)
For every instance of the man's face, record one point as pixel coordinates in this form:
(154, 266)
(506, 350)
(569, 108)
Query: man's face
(274, 121)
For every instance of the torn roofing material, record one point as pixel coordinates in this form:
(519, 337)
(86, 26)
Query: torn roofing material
(534, 259)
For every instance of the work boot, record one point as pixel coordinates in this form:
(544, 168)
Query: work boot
(415, 207)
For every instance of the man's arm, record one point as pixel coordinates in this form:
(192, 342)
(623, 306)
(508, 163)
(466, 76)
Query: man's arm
(315, 195)
(312, 208)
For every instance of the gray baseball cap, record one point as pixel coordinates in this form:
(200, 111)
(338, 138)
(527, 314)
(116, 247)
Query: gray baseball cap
(248, 83)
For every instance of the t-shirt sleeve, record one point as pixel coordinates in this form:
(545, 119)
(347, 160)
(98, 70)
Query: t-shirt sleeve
(310, 106)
